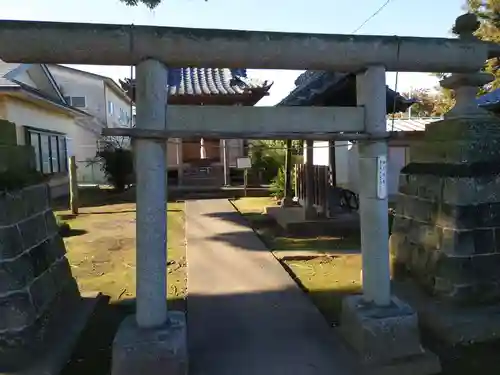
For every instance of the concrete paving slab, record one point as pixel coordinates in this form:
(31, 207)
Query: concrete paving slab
(246, 316)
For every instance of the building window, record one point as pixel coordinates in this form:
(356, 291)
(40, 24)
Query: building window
(76, 101)
(111, 108)
(124, 117)
(50, 150)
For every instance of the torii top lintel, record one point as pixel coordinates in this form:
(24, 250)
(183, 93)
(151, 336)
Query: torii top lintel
(109, 44)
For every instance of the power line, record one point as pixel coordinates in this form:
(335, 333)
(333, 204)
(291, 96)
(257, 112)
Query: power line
(372, 16)
(380, 9)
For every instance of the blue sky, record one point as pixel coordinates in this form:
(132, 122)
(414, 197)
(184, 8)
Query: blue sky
(428, 18)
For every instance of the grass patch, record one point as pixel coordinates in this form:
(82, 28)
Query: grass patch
(102, 258)
(327, 280)
(326, 274)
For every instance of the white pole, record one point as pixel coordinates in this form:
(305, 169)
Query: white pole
(150, 156)
(409, 108)
(225, 157)
(371, 91)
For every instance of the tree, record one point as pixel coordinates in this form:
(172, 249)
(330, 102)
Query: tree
(488, 12)
(430, 103)
(149, 3)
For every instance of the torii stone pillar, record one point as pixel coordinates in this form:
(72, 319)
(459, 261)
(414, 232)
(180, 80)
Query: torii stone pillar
(151, 342)
(381, 328)
(373, 205)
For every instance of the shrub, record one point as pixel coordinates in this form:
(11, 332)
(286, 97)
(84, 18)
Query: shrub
(117, 165)
(278, 184)
(268, 157)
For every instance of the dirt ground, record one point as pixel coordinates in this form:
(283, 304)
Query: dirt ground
(101, 250)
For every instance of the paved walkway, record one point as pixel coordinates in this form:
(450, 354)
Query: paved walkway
(246, 316)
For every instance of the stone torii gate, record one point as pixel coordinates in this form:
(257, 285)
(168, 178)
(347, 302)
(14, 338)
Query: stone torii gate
(380, 327)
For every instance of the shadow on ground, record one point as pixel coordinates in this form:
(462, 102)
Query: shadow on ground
(72, 232)
(92, 355)
(93, 352)
(464, 360)
(277, 239)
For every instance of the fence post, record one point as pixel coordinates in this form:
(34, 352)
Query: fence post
(73, 186)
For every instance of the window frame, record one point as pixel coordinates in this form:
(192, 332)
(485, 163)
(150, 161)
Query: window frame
(69, 99)
(111, 108)
(61, 167)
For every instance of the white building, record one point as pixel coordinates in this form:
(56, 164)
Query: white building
(346, 155)
(104, 100)
(61, 111)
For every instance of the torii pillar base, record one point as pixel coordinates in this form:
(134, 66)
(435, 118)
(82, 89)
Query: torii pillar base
(154, 351)
(386, 338)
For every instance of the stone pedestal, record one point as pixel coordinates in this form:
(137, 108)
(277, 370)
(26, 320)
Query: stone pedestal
(446, 232)
(386, 338)
(153, 351)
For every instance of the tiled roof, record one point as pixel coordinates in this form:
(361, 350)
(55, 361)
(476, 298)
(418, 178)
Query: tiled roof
(6, 68)
(213, 81)
(411, 124)
(209, 81)
(490, 98)
(311, 84)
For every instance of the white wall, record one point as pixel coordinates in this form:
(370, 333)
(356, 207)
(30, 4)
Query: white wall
(235, 150)
(73, 83)
(113, 119)
(321, 153)
(353, 169)
(342, 162)
(346, 164)
(23, 114)
(82, 143)
(172, 145)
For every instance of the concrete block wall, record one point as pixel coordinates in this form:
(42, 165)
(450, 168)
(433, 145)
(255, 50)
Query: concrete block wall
(446, 232)
(35, 276)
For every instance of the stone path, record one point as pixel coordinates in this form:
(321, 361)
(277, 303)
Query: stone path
(246, 316)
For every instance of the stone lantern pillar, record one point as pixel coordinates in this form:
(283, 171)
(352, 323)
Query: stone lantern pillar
(445, 242)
